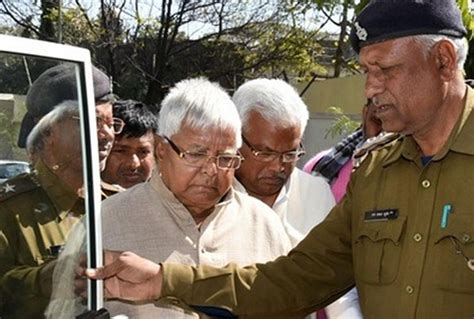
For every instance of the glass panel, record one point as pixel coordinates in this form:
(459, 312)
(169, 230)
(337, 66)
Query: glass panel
(42, 197)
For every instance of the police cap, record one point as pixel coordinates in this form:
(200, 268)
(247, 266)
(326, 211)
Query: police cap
(54, 86)
(383, 20)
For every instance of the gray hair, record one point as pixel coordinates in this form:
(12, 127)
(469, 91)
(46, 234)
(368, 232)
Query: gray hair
(460, 44)
(277, 102)
(199, 104)
(42, 130)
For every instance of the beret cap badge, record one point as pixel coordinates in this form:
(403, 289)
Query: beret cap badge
(383, 20)
(361, 32)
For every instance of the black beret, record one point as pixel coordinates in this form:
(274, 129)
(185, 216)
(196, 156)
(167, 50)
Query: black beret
(54, 86)
(383, 20)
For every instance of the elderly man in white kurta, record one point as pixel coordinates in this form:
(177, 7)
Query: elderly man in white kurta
(188, 212)
(274, 118)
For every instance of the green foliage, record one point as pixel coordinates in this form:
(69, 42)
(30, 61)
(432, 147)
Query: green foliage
(5, 128)
(342, 125)
(278, 47)
(464, 6)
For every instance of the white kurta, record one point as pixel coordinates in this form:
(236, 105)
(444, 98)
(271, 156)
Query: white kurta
(304, 202)
(148, 220)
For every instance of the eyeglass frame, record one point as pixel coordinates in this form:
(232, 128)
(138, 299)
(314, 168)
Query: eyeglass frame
(110, 126)
(182, 154)
(279, 155)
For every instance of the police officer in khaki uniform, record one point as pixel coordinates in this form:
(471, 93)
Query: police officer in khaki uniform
(37, 210)
(404, 233)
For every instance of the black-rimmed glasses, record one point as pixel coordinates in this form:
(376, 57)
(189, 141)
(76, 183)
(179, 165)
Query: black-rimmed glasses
(200, 159)
(270, 156)
(116, 125)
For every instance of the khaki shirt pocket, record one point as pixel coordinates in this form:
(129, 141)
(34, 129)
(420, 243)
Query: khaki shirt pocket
(451, 270)
(377, 250)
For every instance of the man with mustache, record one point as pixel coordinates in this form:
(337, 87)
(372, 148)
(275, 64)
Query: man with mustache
(404, 233)
(273, 122)
(274, 118)
(58, 84)
(132, 160)
(33, 207)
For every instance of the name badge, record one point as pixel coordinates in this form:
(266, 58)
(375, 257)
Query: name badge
(381, 215)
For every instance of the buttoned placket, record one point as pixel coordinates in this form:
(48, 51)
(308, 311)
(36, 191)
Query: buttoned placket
(422, 206)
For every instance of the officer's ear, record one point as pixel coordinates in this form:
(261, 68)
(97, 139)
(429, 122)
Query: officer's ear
(49, 136)
(446, 59)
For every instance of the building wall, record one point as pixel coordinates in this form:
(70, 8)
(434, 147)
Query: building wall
(12, 109)
(346, 93)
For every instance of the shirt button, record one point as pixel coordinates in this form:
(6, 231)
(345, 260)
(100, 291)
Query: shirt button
(409, 290)
(466, 238)
(426, 183)
(417, 237)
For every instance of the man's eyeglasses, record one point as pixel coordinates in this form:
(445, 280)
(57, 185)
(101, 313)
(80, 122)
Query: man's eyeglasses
(200, 159)
(270, 156)
(116, 125)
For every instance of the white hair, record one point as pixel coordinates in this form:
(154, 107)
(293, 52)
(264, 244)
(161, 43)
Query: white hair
(460, 44)
(42, 130)
(275, 100)
(200, 104)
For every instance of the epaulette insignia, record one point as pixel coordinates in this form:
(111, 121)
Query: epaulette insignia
(372, 144)
(110, 189)
(17, 185)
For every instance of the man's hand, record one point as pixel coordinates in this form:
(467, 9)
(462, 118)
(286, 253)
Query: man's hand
(128, 276)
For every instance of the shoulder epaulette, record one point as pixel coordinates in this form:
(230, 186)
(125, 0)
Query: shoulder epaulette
(372, 144)
(17, 185)
(110, 189)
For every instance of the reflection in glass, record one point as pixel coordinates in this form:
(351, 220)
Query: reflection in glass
(38, 209)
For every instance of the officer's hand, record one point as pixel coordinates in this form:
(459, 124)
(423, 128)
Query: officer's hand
(128, 276)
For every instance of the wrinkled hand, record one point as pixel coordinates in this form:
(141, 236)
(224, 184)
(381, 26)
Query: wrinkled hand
(128, 276)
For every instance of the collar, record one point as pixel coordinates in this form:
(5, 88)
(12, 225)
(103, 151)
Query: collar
(61, 196)
(285, 189)
(461, 139)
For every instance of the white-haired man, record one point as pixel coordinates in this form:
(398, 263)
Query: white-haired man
(404, 231)
(274, 118)
(188, 212)
(37, 210)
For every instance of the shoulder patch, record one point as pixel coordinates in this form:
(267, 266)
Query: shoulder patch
(110, 189)
(372, 144)
(17, 185)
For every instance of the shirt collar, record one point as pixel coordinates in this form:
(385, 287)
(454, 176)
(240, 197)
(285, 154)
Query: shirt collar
(285, 190)
(461, 139)
(61, 196)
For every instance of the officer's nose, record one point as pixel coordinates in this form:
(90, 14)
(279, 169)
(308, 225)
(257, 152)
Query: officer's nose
(374, 84)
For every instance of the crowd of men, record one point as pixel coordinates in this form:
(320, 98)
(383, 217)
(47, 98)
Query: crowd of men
(201, 199)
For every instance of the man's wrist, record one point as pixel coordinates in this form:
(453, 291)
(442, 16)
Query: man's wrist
(157, 283)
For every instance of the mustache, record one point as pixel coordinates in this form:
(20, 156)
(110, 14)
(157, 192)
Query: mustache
(104, 144)
(280, 175)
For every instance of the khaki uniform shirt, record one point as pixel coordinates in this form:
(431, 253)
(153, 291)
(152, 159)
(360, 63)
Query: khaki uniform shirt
(387, 235)
(36, 212)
